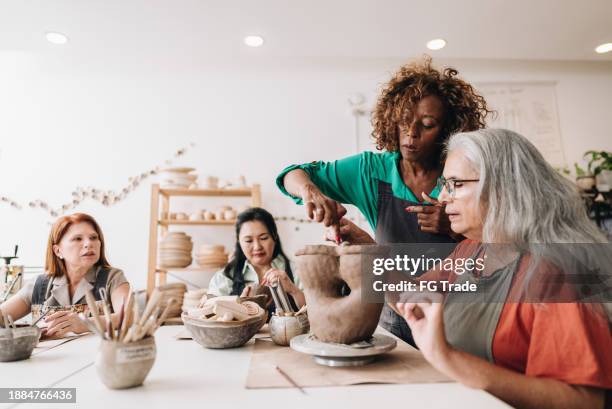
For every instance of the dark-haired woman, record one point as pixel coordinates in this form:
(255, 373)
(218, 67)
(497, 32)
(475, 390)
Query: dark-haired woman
(258, 259)
(395, 190)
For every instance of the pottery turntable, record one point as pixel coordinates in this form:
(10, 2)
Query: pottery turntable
(342, 326)
(339, 355)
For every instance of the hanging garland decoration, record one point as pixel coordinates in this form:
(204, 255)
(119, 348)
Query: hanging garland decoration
(105, 197)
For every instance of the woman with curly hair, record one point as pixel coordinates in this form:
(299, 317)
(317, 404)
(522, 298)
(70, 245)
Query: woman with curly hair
(416, 113)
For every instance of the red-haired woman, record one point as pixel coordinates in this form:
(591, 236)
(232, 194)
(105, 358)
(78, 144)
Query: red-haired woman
(75, 263)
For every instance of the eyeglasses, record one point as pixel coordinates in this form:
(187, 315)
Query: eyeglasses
(451, 184)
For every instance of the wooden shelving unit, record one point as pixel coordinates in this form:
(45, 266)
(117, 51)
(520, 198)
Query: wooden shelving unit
(160, 205)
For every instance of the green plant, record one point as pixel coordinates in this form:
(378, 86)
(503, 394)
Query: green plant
(580, 172)
(598, 161)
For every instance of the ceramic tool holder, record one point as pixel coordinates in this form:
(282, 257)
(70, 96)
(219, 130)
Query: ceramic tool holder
(122, 366)
(283, 329)
(17, 343)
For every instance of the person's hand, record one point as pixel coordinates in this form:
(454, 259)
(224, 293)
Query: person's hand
(349, 232)
(248, 290)
(424, 315)
(432, 218)
(274, 275)
(62, 322)
(321, 208)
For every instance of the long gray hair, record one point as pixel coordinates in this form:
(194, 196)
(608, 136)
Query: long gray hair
(526, 203)
(525, 199)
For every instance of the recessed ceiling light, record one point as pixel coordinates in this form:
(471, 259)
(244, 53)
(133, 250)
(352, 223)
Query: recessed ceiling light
(254, 41)
(436, 44)
(603, 48)
(56, 38)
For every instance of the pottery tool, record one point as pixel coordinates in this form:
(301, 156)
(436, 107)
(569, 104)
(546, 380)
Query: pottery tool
(280, 297)
(291, 381)
(41, 317)
(90, 325)
(10, 288)
(128, 310)
(11, 322)
(276, 299)
(93, 309)
(121, 318)
(164, 314)
(5, 320)
(107, 314)
(302, 310)
(151, 305)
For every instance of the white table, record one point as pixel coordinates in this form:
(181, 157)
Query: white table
(187, 375)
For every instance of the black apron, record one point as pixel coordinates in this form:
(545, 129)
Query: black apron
(394, 225)
(42, 300)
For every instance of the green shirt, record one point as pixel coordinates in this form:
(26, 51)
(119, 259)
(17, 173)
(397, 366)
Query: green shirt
(354, 180)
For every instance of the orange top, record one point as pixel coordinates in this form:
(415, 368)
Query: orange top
(569, 341)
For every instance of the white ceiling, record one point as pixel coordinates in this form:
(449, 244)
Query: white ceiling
(209, 29)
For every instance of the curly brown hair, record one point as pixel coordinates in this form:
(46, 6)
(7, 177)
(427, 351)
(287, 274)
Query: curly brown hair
(465, 109)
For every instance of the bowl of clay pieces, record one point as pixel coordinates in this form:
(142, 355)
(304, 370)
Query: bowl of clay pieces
(18, 343)
(221, 335)
(222, 322)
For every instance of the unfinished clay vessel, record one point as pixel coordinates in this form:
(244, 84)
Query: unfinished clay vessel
(324, 270)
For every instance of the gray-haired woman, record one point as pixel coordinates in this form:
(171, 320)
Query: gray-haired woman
(530, 353)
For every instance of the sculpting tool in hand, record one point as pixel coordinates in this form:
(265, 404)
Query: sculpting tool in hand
(41, 317)
(277, 303)
(282, 295)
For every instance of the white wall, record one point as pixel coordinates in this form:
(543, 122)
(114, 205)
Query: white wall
(67, 123)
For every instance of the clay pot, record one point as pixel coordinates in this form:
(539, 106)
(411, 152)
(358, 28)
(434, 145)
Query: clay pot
(122, 366)
(334, 317)
(17, 344)
(283, 329)
(229, 214)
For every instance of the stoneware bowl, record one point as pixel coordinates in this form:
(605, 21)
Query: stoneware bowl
(221, 335)
(122, 366)
(17, 344)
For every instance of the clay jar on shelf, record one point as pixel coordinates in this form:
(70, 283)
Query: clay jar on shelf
(323, 271)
